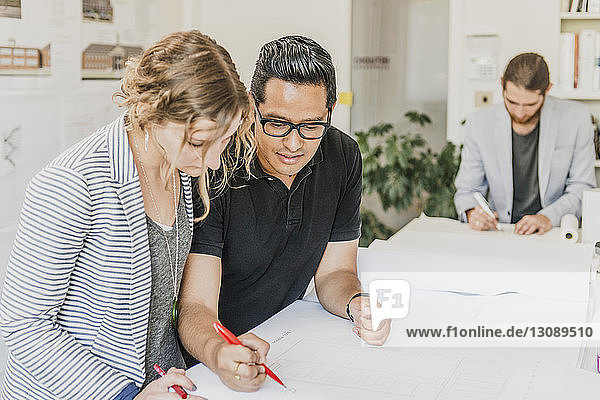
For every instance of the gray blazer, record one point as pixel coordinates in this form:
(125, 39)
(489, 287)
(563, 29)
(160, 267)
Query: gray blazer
(565, 160)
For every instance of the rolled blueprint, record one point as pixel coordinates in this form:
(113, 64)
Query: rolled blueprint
(568, 228)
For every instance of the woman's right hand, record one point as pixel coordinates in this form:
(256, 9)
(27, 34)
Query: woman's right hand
(237, 366)
(159, 389)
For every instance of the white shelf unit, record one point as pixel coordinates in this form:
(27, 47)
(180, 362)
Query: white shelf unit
(576, 94)
(579, 15)
(26, 72)
(575, 22)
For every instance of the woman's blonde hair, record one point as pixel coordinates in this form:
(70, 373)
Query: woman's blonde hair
(183, 77)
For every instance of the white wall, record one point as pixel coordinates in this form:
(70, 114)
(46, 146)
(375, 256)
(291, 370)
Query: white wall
(522, 25)
(55, 111)
(412, 34)
(242, 27)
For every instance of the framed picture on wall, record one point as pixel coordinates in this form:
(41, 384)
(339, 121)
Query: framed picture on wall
(97, 10)
(10, 8)
(106, 61)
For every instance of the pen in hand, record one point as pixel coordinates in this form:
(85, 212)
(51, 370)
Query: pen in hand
(232, 339)
(178, 389)
(484, 205)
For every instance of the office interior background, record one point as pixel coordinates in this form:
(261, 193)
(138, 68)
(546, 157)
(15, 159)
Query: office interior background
(443, 58)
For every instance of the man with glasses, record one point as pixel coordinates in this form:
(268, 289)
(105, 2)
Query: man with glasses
(534, 154)
(297, 217)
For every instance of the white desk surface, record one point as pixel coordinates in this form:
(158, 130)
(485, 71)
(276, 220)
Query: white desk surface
(446, 225)
(306, 343)
(303, 334)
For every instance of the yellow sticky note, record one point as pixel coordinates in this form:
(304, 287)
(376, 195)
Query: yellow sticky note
(345, 98)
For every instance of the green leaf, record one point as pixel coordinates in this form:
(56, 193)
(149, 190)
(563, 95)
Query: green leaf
(402, 170)
(418, 118)
(371, 228)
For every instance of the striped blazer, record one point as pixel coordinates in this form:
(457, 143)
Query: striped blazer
(75, 305)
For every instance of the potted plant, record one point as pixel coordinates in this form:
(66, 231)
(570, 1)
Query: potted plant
(402, 170)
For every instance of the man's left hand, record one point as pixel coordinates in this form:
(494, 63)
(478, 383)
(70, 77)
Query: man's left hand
(363, 326)
(533, 223)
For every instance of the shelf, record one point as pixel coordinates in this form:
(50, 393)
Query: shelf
(579, 15)
(576, 94)
(26, 72)
(101, 75)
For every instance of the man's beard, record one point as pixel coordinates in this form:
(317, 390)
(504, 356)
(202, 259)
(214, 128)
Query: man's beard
(527, 120)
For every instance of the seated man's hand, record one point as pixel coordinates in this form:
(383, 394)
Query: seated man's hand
(237, 365)
(533, 223)
(480, 220)
(363, 326)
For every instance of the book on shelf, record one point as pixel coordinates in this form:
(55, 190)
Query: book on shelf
(576, 63)
(579, 66)
(596, 80)
(587, 59)
(596, 136)
(576, 6)
(580, 6)
(566, 76)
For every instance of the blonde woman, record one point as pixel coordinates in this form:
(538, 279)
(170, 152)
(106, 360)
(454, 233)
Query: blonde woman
(90, 297)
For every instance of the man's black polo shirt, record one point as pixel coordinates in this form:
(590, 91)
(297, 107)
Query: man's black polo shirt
(271, 239)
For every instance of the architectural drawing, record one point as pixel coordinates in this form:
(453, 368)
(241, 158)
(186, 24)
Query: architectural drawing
(102, 61)
(10, 8)
(97, 10)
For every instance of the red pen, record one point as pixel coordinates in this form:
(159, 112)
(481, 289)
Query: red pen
(178, 389)
(232, 339)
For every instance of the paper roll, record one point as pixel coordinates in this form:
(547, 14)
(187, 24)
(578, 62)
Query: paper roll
(568, 228)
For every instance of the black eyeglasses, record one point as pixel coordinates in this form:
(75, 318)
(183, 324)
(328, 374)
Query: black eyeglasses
(306, 130)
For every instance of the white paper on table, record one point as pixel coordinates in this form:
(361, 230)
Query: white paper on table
(590, 350)
(442, 309)
(318, 355)
(546, 266)
(556, 277)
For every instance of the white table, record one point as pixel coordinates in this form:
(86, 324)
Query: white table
(446, 225)
(318, 354)
(304, 339)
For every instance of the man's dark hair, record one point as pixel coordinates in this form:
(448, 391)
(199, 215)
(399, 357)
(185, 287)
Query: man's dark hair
(296, 59)
(528, 70)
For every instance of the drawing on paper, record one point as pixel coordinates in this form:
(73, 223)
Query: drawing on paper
(19, 60)
(417, 375)
(10, 8)
(106, 61)
(8, 149)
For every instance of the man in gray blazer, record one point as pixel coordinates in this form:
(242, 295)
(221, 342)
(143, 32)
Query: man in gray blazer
(534, 154)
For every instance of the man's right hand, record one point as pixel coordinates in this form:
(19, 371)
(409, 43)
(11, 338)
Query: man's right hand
(480, 220)
(237, 366)
(198, 309)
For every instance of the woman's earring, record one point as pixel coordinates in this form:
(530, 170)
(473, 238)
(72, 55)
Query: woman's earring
(146, 141)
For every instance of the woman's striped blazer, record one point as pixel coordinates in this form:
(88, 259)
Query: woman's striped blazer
(74, 310)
